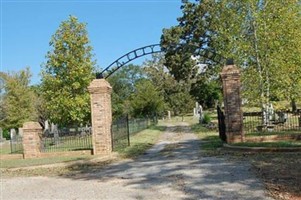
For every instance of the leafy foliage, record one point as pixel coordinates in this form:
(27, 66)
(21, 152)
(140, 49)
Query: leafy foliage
(123, 83)
(18, 103)
(146, 100)
(176, 94)
(67, 74)
(263, 37)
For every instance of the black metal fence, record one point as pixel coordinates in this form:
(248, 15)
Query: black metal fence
(221, 124)
(16, 145)
(67, 139)
(124, 127)
(278, 121)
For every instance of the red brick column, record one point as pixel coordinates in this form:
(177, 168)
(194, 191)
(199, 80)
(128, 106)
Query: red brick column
(32, 132)
(101, 116)
(232, 102)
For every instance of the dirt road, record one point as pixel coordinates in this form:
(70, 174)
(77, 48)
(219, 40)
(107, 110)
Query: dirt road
(173, 169)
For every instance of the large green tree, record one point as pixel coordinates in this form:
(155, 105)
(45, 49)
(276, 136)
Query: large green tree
(176, 94)
(18, 100)
(123, 83)
(262, 36)
(67, 74)
(146, 100)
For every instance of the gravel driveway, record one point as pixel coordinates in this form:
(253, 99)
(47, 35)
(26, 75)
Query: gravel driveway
(173, 169)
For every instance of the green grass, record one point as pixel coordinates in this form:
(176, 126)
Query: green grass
(267, 133)
(5, 149)
(141, 141)
(41, 161)
(270, 144)
(187, 118)
(210, 138)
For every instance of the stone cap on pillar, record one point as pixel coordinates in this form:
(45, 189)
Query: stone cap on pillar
(99, 86)
(230, 70)
(32, 126)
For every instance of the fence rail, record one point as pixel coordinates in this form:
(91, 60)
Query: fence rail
(16, 145)
(279, 121)
(67, 139)
(123, 128)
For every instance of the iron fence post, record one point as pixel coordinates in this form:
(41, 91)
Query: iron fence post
(128, 129)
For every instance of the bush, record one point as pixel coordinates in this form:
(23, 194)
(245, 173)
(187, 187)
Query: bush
(6, 134)
(206, 118)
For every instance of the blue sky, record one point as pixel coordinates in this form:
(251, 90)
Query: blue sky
(115, 27)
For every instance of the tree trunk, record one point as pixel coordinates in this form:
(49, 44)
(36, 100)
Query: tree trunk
(294, 106)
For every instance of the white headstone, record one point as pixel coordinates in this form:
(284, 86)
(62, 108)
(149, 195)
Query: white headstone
(169, 115)
(201, 114)
(20, 131)
(46, 125)
(13, 134)
(1, 134)
(55, 132)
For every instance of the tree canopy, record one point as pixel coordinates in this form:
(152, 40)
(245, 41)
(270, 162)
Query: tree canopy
(67, 74)
(263, 37)
(17, 100)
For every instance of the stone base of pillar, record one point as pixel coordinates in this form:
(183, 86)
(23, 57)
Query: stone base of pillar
(32, 132)
(235, 137)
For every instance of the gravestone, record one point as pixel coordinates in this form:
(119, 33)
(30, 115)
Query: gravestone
(196, 110)
(55, 132)
(13, 135)
(20, 132)
(169, 115)
(201, 114)
(46, 125)
(1, 135)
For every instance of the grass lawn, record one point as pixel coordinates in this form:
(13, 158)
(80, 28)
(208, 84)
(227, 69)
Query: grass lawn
(5, 148)
(140, 142)
(41, 161)
(266, 133)
(211, 143)
(277, 144)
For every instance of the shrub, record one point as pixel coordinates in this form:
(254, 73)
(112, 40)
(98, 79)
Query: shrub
(6, 134)
(206, 118)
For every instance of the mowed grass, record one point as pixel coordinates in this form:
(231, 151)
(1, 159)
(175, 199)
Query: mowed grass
(210, 141)
(140, 142)
(278, 144)
(16, 163)
(5, 148)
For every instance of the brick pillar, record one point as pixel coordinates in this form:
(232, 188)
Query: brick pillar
(101, 116)
(32, 132)
(232, 101)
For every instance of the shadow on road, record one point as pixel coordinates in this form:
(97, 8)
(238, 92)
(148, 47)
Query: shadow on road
(176, 169)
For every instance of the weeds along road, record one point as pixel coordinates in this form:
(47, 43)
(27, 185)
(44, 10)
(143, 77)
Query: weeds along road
(173, 169)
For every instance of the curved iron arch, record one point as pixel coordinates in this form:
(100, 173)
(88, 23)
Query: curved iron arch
(153, 48)
(128, 57)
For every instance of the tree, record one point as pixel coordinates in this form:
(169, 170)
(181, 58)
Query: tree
(263, 37)
(123, 83)
(67, 74)
(175, 93)
(146, 100)
(207, 92)
(18, 99)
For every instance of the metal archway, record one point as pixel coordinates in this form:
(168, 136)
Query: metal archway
(128, 57)
(205, 53)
